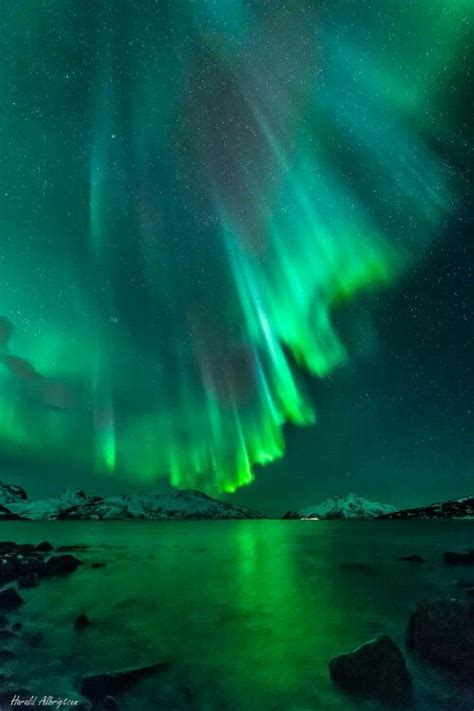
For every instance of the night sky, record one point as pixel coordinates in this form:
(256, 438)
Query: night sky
(237, 249)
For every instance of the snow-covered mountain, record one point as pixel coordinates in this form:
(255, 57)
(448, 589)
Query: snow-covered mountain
(190, 504)
(9, 493)
(50, 509)
(456, 508)
(350, 506)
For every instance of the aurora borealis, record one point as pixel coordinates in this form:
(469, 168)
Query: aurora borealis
(190, 191)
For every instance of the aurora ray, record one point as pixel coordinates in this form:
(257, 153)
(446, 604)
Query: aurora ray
(190, 193)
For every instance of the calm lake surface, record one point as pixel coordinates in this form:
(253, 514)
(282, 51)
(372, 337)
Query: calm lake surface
(249, 612)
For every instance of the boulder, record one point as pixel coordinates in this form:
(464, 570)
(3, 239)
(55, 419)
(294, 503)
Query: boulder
(442, 632)
(110, 704)
(98, 564)
(7, 547)
(81, 622)
(375, 670)
(62, 564)
(456, 558)
(45, 547)
(97, 686)
(25, 548)
(30, 580)
(9, 599)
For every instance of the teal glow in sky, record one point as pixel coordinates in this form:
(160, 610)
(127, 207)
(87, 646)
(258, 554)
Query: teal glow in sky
(189, 193)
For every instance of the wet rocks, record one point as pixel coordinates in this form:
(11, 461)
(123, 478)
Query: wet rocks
(44, 547)
(442, 632)
(10, 599)
(98, 686)
(413, 558)
(62, 564)
(81, 622)
(377, 670)
(30, 580)
(456, 558)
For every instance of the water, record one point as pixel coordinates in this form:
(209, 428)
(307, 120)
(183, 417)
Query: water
(250, 612)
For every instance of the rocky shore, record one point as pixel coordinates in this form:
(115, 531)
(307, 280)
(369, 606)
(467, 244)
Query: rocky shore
(439, 634)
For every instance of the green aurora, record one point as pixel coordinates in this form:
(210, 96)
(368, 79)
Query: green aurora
(190, 190)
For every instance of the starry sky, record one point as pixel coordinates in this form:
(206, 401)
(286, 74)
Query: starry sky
(236, 248)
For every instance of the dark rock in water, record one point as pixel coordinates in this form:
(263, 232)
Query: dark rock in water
(291, 515)
(45, 547)
(30, 580)
(6, 634)
(98, 564)
(463, 583)
(110, 704)
(17, 626)
(62, 564)
(6, 655)
(9, 568)
(453, 558)
(377, 669)
(469, 592)
(25, 549)
(81, 622)
(98, 686)
(76, 547)
(442, 632)
(7, 547)
(413, 558)
(33, 566)
(9, 599)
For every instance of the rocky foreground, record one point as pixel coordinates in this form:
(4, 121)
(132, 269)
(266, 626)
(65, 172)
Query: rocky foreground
(439, 635)
(76, 505)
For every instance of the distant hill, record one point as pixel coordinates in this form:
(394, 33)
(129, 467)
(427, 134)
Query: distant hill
(343, 507)
(456, 508)
(76, 505)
